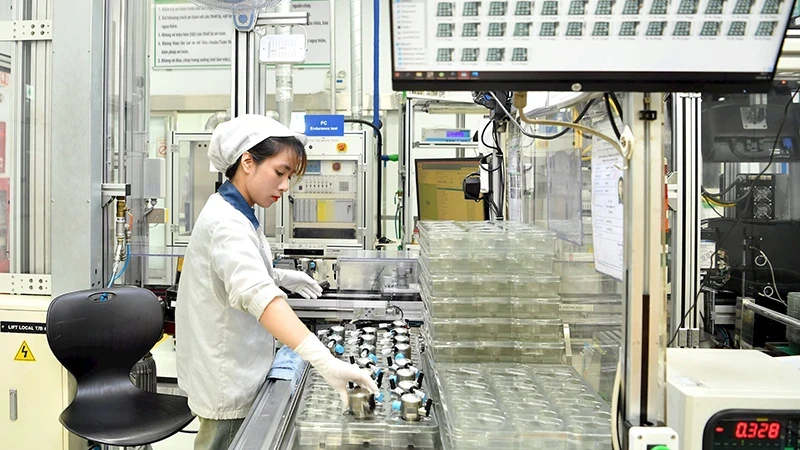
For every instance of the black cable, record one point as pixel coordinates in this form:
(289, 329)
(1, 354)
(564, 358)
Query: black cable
(769, 163)
(483, 137)
(379, 145)
(618, 105)
(567, 129)
(189, 431)
(607, 101)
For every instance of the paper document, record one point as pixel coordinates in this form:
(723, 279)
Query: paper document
(607, 208)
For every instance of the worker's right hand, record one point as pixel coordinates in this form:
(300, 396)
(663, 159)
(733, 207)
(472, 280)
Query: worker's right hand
(336, 373)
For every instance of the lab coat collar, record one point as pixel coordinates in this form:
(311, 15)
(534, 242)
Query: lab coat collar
(232, 195)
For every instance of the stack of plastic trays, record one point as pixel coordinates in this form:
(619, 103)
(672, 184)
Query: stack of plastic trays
(322, 423)
(793, 310)
(489, 292)
(517, 406)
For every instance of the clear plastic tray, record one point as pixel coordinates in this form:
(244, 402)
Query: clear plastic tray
(489, 285)
(518, 406)
(571, 269)
(589, 306)
(321, 423)
(590, 285)
(449, 236)
(496, 351)
(538, 330)
(469, 262)
(486, 307)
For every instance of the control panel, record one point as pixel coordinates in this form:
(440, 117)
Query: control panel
(751, 430)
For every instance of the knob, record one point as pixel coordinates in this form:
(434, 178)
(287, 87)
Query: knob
(396, 405)
(379, 397)
(339, 349)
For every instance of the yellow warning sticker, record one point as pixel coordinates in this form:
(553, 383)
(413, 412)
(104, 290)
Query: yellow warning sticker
(24, 353)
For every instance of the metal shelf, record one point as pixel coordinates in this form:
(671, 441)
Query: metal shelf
(445, 145)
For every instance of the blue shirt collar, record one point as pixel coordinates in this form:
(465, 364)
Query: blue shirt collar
(232, 195)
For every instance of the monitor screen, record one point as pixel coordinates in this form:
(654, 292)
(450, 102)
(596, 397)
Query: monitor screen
(588, 45)
(439, 189)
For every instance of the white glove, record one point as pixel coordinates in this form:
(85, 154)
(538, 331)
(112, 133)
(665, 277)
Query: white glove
(336, 372)
(301, 283)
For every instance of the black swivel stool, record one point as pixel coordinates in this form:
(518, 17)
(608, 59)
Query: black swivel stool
(98, 336)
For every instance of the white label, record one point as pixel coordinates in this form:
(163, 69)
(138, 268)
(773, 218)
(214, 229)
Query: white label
(707, 250)
(188, 36)
(607, 208)
(581, 308)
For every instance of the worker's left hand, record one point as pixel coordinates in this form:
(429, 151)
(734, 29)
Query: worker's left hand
(301, 283)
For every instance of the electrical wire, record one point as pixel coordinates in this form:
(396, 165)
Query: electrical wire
(749, 191)
(771, 272)
(591, 131)
(566, 129)
(607, 101)
(483, 136)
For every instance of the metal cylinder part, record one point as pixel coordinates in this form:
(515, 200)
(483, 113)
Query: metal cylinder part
(366, 350)
(337, 329)
(368, 339)
(400, 332)
(364, 362)
(362, 403)
(405, 349)
(369, 330)
(406, 375)
(399, 339)
(400, 324)
(409, 407)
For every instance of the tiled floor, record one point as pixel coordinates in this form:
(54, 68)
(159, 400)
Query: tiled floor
(164, 354)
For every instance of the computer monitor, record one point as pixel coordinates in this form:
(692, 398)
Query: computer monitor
(582, 45)
(439, 189)
(744, 128)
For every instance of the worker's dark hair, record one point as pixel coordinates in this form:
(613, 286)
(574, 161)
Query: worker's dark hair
(270, 147)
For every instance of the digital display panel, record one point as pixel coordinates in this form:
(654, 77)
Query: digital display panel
(631, 45)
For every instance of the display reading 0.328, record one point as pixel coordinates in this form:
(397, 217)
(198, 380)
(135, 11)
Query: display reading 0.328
(749, 434)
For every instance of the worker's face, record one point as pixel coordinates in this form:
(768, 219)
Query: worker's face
(266, 182)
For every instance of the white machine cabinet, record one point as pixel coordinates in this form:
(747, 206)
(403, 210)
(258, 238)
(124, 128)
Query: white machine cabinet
(35, 387)
(732, 400)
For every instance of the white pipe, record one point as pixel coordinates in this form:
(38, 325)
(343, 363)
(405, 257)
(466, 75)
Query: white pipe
(356, 63)
(122, 26)
(333, 56)
(216, 119)
(283, 76)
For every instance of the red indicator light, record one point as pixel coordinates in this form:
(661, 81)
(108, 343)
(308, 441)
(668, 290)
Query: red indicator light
(720, 430)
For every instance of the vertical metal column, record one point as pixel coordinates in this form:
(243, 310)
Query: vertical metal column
(77, 158)
(686, 224)
(644, 357)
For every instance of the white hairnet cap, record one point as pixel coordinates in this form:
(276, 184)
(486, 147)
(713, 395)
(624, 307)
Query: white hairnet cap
(234, 137)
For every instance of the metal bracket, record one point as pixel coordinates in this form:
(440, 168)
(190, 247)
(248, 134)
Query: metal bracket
(26, 30)
(24, 283)
(116, 189)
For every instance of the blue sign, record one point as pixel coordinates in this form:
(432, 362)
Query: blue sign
(324, 125)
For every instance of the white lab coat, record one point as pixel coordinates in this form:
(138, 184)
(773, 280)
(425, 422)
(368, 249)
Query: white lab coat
(223, 352)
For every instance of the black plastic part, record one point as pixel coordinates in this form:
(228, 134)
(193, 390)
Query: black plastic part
(352, 359)
(372, 402)
(420, 375)
(389, 360)
(108, 408)
(351, 385)
(379, 380)
(392, 383)
(428, 406)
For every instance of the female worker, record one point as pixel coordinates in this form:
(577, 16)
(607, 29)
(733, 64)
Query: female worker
(229, 302)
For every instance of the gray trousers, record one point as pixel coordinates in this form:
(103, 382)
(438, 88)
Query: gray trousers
(216, 434)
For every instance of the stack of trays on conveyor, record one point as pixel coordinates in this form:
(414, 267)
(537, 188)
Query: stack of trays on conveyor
(321, 423)
(519, 406)
(793, 310)
(489, 292)
(591, 302)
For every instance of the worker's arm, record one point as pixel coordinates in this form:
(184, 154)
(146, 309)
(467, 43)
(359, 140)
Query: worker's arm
(281, 321)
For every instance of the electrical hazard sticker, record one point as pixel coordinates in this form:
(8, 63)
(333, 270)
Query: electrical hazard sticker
(24, 353)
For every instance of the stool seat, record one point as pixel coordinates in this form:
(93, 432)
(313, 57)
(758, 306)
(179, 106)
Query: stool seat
(98, 336)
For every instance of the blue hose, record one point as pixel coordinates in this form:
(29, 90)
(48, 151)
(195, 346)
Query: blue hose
(124, 266)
